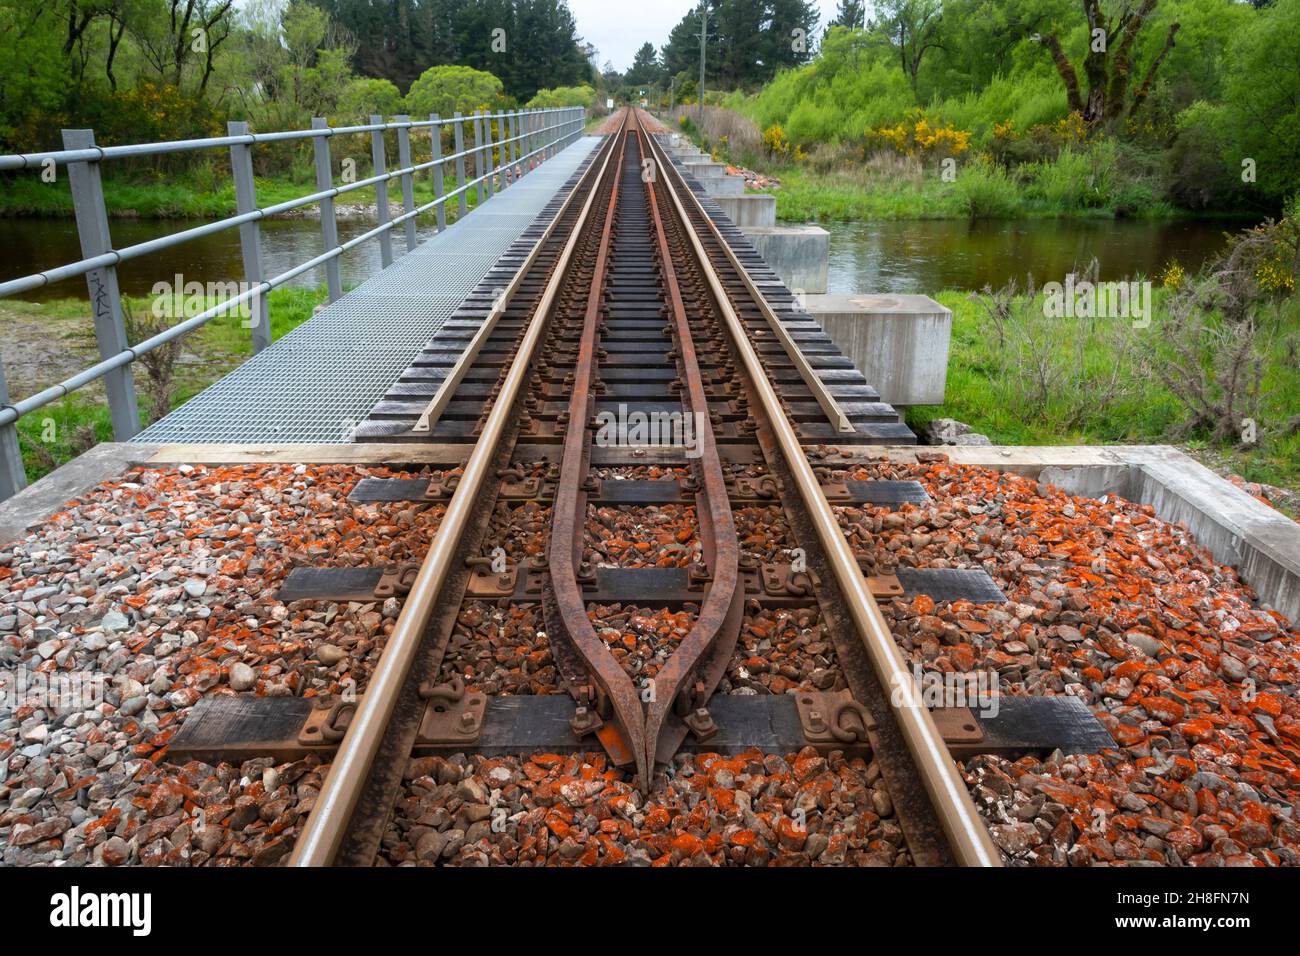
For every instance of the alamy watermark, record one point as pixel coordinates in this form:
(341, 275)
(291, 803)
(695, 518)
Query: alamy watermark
(977, 690)
(1098, 300)
(628, 428)
(59, 691)
(184, 300)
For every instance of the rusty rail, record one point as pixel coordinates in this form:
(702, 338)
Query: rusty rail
(952, 803)
(683, 685)
(717, 627)
(329, 819)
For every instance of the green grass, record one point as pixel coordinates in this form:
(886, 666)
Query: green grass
(1076, 185)
(980, 394)
(62, 430)
(806, 195)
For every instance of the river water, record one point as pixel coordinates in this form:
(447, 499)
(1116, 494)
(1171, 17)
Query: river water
(34, 245)
(866, 257)
(929, 255)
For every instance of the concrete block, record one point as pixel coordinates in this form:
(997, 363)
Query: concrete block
(797, 254)
(724, 186)
(752, 209)
(706, 169)
(899, 342)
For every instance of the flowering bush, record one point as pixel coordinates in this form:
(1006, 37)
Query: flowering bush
(1171, 277)
(917, 135)
(775, 141)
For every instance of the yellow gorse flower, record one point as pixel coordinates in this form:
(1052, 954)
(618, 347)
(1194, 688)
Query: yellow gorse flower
(921, 136)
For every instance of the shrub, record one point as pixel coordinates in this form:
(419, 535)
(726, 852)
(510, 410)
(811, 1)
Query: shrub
(919, 135)
(446, 89)
(988, 191)
(561, 96)
(1078, 179)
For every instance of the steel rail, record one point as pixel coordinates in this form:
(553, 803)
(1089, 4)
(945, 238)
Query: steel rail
(350, 768)
(719, 618)
(569, 509)
(966, 832)
(815, 385)
(438, 404)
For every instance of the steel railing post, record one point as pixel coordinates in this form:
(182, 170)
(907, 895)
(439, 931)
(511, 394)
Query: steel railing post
(105, 297)
(527, 144)
(491, 160)
(459, 143)
(329, 227)
(408, 182)
(512, 121)
(250, 233)
(435, 133)
(13, 476)
(379, 161)
(478, 155)
(507, 162)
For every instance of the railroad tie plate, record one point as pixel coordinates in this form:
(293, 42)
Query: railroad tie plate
(381, 583)
(951, 584)
(331, 584)
(238, 727)
(886, 494)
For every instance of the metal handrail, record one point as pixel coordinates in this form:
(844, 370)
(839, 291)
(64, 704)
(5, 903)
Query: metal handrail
(535, 135)
(135, 150)
(117, 256)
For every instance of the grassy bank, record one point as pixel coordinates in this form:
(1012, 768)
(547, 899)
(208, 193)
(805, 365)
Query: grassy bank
(851, 194)
(62, 430)
(1071, 381)
(1099, 180)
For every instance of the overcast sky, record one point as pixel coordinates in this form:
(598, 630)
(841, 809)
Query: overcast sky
(619, 27)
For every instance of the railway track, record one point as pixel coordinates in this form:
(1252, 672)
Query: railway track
(640, 419)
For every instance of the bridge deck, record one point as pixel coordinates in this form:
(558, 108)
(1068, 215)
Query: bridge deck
(315, 384)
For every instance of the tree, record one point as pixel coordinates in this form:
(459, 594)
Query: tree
(1262, 87)
(33, 81)
(446, 89)
(1108, 64)
(851, 14)
(178, 32)
(981, 39)
(748, 40)
(527, 44)
(645, 70)
(915, 26)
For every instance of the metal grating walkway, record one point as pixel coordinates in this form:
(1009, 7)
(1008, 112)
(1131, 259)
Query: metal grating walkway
(319, 381)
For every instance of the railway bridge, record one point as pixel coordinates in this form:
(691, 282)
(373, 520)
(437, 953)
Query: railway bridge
(568, 508)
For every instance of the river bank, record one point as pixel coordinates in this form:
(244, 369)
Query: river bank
(46, 342)
(1072, 383)
(1101, 180)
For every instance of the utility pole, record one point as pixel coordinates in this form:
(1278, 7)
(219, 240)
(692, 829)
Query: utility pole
(672, 95)
(704, 33)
